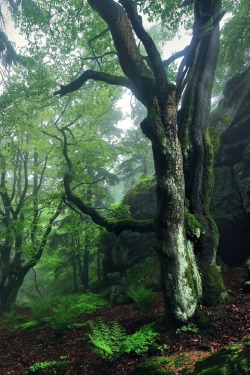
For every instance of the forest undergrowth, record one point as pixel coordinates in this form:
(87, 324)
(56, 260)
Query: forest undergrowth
(122, 339)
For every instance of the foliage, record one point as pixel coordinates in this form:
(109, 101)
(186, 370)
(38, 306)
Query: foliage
(40, 308)
(110, 339)
(39, 366)
(59, 313)
(144, 298)
(170, 12)
(191, 328)
(120, 210)
(27, 325)
(140, 341)
(107, 338)
(234, 51)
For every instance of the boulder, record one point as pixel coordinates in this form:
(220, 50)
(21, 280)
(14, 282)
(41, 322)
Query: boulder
(230, 203)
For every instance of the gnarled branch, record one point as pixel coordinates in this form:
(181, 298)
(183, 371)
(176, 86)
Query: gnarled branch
(111, 225)
(97, 76)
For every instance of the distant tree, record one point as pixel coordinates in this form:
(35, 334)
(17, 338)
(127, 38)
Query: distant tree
(26, 214)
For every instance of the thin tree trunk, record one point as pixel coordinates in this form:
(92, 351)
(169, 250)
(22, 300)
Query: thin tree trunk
(74, 272)
(99, 274)
(85, 273)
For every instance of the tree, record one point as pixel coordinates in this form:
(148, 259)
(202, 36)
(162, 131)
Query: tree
(27, 211)
(26, 221)
(185, 234)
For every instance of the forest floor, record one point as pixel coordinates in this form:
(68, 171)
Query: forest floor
(228, 323)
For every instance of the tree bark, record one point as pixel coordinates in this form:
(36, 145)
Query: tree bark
(197, 148)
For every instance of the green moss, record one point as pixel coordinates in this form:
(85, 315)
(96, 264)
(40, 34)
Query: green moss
(138, 191)
(213, 285)
(192, 225)
(247, 265)
(214, 135)
(234, 348)
(208, 171)
(207, 85)
(146, 274)
(234, 360)
(226, 119)
(142, 226)
(247, 342)
(154, 367)
(192, 281)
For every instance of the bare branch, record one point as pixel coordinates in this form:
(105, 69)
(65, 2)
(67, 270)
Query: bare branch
(176, 56)
(99, 57)
(92, 40)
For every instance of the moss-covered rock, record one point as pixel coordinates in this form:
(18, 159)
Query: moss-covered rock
(230, 199)
(154, 367)
(247, 267)
(234, 360)
(146, 273)
(130, 248)
(246, 286)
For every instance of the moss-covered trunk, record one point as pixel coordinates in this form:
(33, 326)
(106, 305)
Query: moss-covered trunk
(180, 279)
(197, 149)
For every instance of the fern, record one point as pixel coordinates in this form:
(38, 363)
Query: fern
(61, 312)
(107, 338)
(110, 340)
(139, 341)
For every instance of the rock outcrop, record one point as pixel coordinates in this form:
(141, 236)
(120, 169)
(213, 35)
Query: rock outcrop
(231, 198)
(130, 248)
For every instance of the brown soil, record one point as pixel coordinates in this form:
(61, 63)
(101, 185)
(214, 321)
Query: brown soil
(227, 323)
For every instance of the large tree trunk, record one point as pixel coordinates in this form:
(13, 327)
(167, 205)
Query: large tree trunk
(181, 282)
(197, 148)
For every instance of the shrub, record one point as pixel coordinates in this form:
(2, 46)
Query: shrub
(60, 313)
(40, 308)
